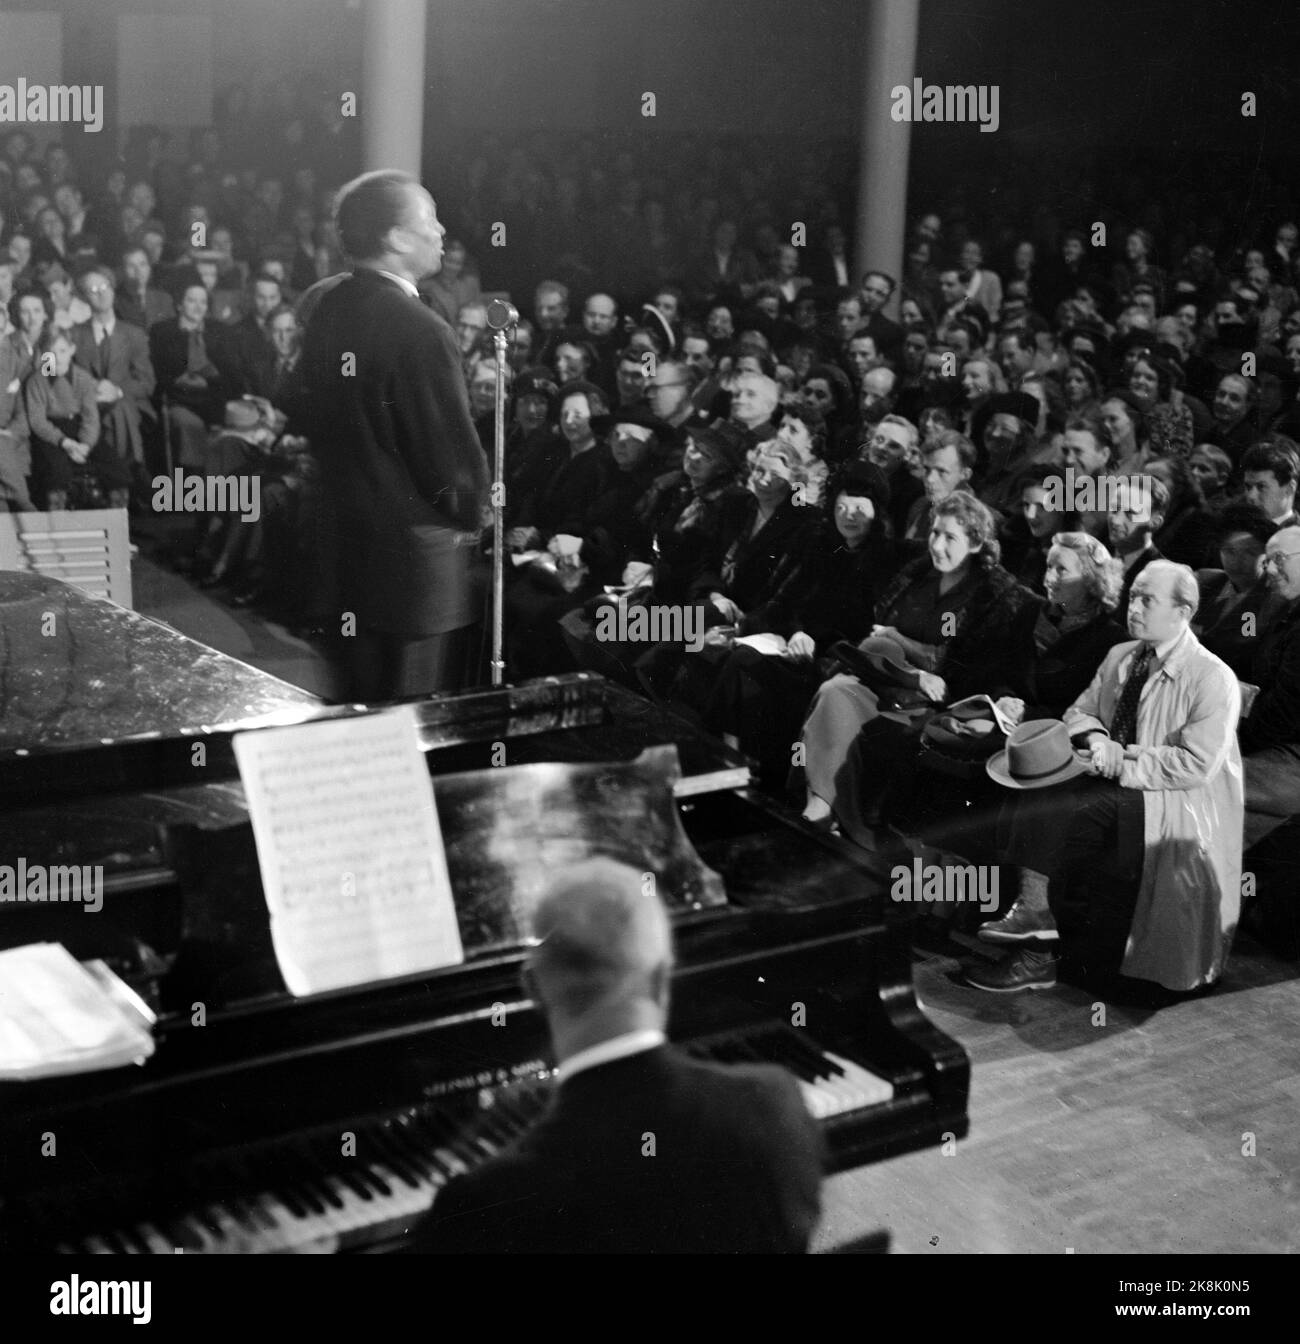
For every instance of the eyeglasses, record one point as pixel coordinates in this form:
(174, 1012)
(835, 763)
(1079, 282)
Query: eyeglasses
(1276, 557)
(91, 290)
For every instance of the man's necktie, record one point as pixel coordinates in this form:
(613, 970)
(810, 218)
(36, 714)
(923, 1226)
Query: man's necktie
(1123, 728)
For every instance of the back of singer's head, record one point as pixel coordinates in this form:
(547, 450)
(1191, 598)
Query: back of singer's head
(369, 207)
(604, 955)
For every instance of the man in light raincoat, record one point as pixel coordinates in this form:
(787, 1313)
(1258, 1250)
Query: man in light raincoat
(1146, 865)
(1180, 757)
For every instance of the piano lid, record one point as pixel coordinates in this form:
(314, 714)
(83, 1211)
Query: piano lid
(77, 671)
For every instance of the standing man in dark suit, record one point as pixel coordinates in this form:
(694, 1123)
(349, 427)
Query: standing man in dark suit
(643, 1149)
(403, 472)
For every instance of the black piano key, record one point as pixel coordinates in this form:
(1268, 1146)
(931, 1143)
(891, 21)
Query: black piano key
(397, 1160)
(298, 1183)
(783, 1052)
(816, 1058)
(328, 1162)
(241, 1211)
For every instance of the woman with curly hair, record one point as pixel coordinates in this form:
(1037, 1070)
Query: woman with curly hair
(960, 625)
(1080, 387)
(1154, 383)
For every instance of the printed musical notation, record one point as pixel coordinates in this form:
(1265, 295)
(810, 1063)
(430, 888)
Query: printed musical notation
(350, 850)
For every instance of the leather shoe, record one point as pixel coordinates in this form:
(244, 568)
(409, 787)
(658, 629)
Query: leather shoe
(1028, 969)
(1020, 925)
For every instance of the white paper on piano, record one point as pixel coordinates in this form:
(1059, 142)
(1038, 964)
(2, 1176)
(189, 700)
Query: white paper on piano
(58, 1016)
(350, 850)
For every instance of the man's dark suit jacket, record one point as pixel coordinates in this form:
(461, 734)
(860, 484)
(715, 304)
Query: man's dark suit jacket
(399, 458)
(887, 334)
(169, 350)
(1274, 719)
(1130, 578)
(737, 1167)
(156, 306)
(124, 360)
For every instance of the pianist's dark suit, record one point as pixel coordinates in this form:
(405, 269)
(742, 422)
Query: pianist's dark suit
(736, 1167)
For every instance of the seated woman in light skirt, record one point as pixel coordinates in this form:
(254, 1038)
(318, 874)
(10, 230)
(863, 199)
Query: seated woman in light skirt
(960, 620)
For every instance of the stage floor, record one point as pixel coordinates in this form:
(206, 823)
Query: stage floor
(1123, 1137)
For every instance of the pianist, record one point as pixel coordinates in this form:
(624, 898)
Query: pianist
(642, 1149)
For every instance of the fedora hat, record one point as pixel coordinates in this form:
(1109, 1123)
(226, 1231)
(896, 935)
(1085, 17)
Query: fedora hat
(723, 438)
(241, 414)
(633, 415)
(880, 662)
(1037, 754)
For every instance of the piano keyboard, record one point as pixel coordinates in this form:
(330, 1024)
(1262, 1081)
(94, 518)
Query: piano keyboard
(300, 1194)
(831, 1085)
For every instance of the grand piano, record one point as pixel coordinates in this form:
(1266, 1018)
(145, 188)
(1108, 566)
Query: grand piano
(265, 1121)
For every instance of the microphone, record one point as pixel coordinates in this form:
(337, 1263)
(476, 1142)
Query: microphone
(501, 313)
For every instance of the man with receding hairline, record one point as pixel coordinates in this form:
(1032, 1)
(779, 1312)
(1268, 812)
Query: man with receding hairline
(1149, 880)
(401, 467)
(642, 1149)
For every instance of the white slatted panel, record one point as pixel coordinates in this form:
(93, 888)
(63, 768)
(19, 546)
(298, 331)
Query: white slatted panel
(86, 547)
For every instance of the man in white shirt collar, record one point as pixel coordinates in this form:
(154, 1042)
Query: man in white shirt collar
(602, 967)
(99, 290)
(1147, 881)
(1270, 473)
(642, 1149)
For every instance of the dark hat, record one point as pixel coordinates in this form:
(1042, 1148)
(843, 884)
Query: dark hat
(861, 479)
(658, 324)
(1038, 754)
(724, 438)
(638, 414)
(540, 382)
(1138, 339)
(879, 661)
(1023, 405)
(1167, 367)
(960, 741)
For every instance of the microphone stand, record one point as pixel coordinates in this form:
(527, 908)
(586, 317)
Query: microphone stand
(501, 317)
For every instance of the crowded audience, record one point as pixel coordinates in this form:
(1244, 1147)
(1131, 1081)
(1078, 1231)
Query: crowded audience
(871, 518)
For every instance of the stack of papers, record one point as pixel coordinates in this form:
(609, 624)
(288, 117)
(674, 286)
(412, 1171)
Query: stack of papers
(58, 1016)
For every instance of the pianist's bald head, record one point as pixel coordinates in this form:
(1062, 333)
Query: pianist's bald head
(604, 950)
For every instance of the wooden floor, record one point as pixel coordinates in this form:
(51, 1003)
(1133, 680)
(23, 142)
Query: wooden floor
(1122, 1137)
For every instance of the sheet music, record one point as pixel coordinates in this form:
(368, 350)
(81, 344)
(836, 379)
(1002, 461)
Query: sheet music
(350, 850)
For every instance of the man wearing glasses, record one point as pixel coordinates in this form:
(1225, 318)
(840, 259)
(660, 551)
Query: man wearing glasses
(1270, 733)
(116, 355)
